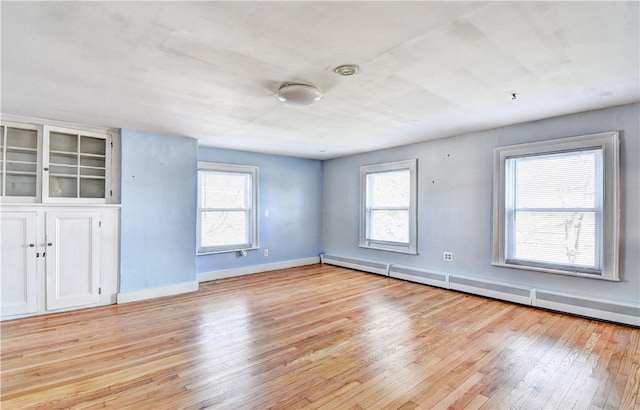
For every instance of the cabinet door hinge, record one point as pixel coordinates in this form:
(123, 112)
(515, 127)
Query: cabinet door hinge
(99, 224)
(99, 291)
(110, 192)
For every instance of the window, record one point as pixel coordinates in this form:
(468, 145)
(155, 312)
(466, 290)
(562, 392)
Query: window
(389, 197)
(555, 206)
(227, 207)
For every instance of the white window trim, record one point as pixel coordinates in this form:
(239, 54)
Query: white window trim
(412, 247)
(231, 168)
(609, 143)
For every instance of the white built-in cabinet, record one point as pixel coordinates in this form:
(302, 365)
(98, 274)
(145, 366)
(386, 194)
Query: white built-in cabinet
(57, 258)
(59, 230)
(42, 163)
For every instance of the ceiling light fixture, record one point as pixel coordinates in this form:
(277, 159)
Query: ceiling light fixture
(299, 94)
(347, 70)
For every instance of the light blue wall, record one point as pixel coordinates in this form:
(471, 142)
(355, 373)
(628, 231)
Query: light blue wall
(291, 190)
(455, 202)
(158, 194)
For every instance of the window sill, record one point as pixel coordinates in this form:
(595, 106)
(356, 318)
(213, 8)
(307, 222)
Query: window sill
(554, 271)
(203, 253)
(396, 250)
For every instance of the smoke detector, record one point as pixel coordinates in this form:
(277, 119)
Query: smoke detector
(347, 70)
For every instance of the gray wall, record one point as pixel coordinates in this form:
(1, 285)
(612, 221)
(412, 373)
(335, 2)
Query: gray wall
(455, 177)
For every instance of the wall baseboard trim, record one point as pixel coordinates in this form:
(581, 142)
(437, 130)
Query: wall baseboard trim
(609, 310)
(144, 294)
(249, 270)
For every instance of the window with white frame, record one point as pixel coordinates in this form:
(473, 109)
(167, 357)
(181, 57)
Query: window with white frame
(388, 218)
(556, 206)
(227, 207)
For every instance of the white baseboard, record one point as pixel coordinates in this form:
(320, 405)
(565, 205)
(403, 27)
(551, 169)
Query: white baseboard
(144, 294)
(610, 310)
(248, 270)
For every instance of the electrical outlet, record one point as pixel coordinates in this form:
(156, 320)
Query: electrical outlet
(266, 252)
(448, 256)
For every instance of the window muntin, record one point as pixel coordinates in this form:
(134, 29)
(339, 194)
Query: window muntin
(555, 206)
(388, 218)
(227, 203)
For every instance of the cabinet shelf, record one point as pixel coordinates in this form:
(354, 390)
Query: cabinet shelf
(10, 161)
(82, 154)
(68, 153)
(77, 176)
(54, 164)
(21, 173)
(75, 153)
(20, 149)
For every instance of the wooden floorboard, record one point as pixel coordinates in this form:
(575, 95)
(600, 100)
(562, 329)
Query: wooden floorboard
(318, 337)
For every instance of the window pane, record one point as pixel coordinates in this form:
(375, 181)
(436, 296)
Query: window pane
(223, 190)
(556, 237)
(59, 141)
(389, 226)
(63, 187)
(223, 228)
(561, 180)
(20, 185)
(91, 145)
(20, 138)
(389, 188)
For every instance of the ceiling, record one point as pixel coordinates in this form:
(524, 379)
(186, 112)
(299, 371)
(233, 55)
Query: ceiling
(210, 70)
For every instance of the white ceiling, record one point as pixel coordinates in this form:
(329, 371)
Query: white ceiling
(210, 70)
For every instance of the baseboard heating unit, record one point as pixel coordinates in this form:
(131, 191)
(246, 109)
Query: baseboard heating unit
(426, 277)
(357, 264)
(496, 290)
(597, 308)
(562, 302)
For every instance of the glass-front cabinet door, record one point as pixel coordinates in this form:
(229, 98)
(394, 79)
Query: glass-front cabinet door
(53, 165)
(75, 166)
(20, 176)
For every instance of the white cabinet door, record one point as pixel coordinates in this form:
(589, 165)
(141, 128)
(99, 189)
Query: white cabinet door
(76, 166)
(73, 259)
(18, 267)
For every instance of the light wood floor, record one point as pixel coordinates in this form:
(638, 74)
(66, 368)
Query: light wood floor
(318, 337)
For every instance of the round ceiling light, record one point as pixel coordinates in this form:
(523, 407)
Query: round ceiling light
(347, 70)
(299, 94)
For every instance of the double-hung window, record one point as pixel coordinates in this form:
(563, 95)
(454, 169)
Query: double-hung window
(388, 219)
(555, 206)
(227, 207)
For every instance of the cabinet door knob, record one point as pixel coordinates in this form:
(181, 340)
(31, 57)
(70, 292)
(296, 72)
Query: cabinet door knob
(46, 169)
(31, 245)
(49, 244)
